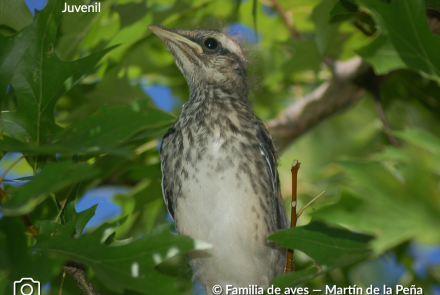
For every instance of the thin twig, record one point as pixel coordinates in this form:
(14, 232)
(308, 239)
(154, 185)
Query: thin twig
(35, 165)
(34, 231)
(2, 177)
(62, 283)
(295, 167)
(25, 218)
(2, 195)
(386, 126)
(287, 20)
(308, 204)
(64, 204)
(254, 15)
(318, 269)
(78, 272)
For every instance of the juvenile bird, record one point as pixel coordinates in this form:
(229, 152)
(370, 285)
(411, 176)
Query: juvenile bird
(219, 165)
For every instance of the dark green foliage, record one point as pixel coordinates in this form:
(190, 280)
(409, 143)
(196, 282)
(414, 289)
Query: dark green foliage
(328, 247)
(52, 179)
(119, 265)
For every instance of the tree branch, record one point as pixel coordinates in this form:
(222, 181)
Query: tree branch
(286, 19)
(78, 272)
(351, 80)
(332, 97)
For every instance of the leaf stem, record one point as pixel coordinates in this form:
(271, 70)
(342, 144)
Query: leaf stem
(64, 204)
(34, 231)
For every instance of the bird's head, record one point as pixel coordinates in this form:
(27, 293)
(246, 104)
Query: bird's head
(205, 56)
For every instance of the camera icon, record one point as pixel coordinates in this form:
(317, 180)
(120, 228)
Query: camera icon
(27, 286)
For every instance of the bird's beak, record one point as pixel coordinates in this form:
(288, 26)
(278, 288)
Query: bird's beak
(167, 35)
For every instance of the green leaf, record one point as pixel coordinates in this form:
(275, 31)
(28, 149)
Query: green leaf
(40, 77)
(131, 12)
(148, 188)
(128, 36)
(412, 86)
(305, 56)
(293, 279)
(329, 247)
(141, 171)
(49, 228)
(151, 192)
(405, 23)
(21, 262)
(109, 127)
(79, 221)
(8, 144)
(69, 212)
(343, 7)
(129, 266)
(327, 36)
(420, 138)
(74, 26)
(81, 218)
(15, 14)
(381, 54)
(52, 178)
(432, 4)
(400, 197)
(111, 91)
(15, 131)
(101, 132)
(11, 53)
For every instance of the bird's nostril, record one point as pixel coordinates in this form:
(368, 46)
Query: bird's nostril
(211, 43)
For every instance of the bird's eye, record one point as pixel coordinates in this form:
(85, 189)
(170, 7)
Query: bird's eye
(211, 43)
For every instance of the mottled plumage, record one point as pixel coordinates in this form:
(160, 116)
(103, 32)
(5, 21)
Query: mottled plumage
(219, 165)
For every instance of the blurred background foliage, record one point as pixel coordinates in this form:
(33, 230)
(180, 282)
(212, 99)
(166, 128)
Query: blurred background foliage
(89, 131)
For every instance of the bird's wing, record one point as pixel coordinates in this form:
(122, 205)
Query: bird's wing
(167, 194)
(166, 188)
(268, 150)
